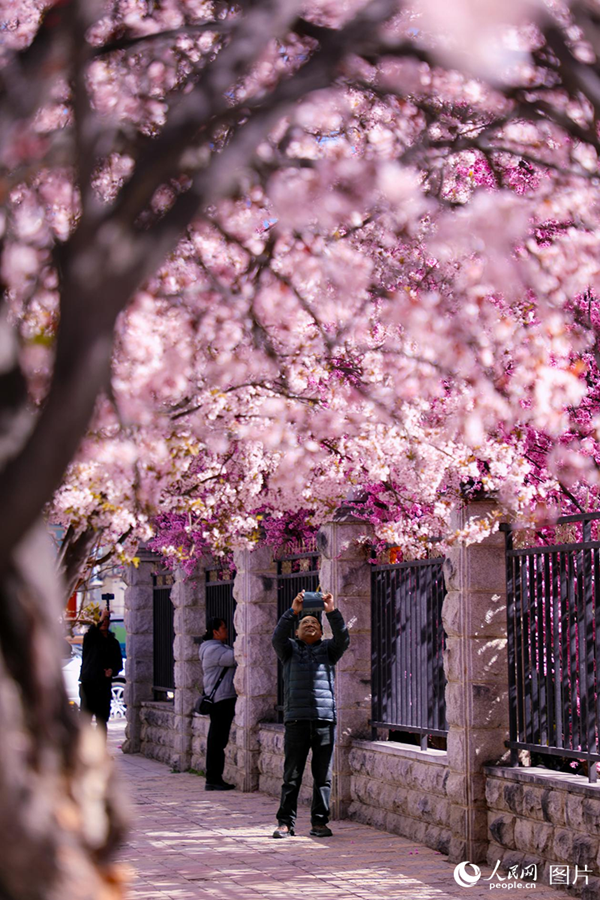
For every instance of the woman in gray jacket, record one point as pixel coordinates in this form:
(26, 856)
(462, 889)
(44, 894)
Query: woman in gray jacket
(215, 655)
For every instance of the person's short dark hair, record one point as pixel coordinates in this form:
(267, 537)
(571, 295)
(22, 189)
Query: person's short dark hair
(213, 624)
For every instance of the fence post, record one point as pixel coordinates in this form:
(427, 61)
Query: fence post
(255, 592)
(474, 617)
(139, 626)
(346, 572)
(188, 598)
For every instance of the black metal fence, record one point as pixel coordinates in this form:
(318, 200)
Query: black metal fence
(294, 572)
(163, 636)
(553, 612)
(407, 644)
(220, 601)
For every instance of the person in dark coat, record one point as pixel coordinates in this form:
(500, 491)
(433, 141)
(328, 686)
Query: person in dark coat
(101, 660)
(309, 709)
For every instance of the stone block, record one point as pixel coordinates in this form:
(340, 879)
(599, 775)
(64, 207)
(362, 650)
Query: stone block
(399, 800)
(585, 850)
(139, 621)
(189, 621)
(488, 706)
(253, 710)
(487, 613)
(495, 852)
(486, 569)
(353, 724)
(259, 559)
(487, 661)
(429, 808)
(338, 541)
(591, 815)
(357, 657)
(269, 785)
(352, 691)
(139, 646)
(458, 850)
(357, 615)
(487, 746)
(562, 846)
(354, 580)
(256, 681)
(501, 828)
(534, 836)
(532, 802)
(455, 748)
(591, 890)
(438, 838)
(258, 587)
(553, 807)
(456, 788)
(431, 779)
(494, 793)
(140, 577)
(512, 796)
(256, 619)
(574, 811)
(140, 669)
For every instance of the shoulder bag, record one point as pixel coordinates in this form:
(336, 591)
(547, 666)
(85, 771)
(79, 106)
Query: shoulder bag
(205, 703)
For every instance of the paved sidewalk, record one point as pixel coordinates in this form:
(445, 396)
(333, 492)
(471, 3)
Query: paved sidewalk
(188, 844)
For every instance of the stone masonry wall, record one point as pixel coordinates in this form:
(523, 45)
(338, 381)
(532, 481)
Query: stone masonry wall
(543, 818)
(158, 734)
(255, 591)
(402, 790)
(475, 662)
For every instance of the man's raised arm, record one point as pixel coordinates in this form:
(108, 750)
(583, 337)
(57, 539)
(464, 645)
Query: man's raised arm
(340, 641)
(282, 636)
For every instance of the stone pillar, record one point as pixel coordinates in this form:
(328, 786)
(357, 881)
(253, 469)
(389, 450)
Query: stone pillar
(188, 596)
(255, 592)
(140, 662)
(345, 572)
(475, 661)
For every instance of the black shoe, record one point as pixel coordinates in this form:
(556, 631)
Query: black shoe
(321, 831)
(283, 831)
(222, 786)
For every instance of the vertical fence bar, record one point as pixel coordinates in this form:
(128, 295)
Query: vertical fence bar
(596, 589)
(519, 647)
(511, 565)
(556, 656)
(564, 647)
(548, 736)
(588, 600)
(573, 652)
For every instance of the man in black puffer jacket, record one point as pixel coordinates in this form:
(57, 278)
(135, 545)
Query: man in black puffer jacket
(309, 709)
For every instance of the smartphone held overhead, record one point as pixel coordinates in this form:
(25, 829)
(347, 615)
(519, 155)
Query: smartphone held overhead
(312, 600)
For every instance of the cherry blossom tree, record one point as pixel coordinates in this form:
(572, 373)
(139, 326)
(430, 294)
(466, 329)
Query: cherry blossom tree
(254, 254)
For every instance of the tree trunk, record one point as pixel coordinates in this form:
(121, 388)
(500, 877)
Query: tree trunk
(60, 818)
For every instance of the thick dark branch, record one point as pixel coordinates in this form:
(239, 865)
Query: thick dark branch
(161, 158)
(134, 43)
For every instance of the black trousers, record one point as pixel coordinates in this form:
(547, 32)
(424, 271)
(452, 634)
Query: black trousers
(300, 737)
(95, 699)
(221, 717)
